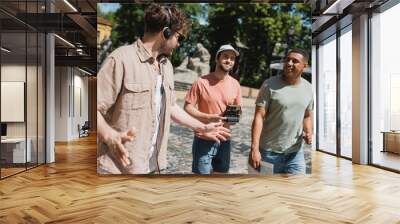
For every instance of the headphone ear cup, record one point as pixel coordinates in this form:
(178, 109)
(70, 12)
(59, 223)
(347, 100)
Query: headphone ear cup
(167, 32)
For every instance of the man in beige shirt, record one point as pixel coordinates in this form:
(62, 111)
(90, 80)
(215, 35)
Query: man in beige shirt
(136, 100)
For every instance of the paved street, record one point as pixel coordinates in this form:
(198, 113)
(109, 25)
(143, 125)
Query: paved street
(179, 154)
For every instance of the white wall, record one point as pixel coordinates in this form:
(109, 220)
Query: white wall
(12, 101)
(33, 126)
(79, 102)
(71, 93)
(61, 103)
(13, 73)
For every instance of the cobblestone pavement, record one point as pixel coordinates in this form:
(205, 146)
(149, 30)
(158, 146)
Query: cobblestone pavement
(179, 155)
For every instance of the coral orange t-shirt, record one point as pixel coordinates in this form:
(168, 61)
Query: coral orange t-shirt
(213, 95)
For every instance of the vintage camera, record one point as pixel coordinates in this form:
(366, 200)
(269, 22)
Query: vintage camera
(232, 114)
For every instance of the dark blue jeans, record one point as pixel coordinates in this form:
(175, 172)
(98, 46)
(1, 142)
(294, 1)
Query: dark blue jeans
(210, 156)
(292, 162)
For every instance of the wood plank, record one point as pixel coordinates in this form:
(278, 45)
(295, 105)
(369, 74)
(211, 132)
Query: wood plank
(70, 191)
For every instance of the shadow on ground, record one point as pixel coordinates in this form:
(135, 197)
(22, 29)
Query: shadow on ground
(179, 155)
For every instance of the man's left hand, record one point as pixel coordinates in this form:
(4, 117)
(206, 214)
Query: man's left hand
(214, 131)
(307, 136)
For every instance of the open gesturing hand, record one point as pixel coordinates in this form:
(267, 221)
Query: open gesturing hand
(214, 131)
(115, 142)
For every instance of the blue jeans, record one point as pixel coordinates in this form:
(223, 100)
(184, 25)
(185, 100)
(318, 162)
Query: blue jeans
(210, 156)
(292, 162)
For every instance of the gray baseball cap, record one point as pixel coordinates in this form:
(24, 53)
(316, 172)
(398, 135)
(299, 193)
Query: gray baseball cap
(227, 47)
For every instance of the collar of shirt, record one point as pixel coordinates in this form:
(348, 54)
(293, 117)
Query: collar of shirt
(145, 56)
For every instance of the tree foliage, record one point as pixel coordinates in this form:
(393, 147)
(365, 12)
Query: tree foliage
(258, 27)
(255, 29)
(109, 15)
(129, 27)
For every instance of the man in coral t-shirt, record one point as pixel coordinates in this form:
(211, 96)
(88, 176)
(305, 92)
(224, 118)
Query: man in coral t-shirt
(212, 93)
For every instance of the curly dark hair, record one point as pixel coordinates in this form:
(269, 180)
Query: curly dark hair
(157, 17)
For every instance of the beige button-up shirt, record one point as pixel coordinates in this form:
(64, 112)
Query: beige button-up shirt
(126, 85)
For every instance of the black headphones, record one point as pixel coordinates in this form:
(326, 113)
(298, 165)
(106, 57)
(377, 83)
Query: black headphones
(167, 30)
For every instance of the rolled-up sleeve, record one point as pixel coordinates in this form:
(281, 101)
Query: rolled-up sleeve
(109, 82)
(173, 97)
(238, 99)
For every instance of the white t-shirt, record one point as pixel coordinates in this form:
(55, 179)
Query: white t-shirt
(158, 103)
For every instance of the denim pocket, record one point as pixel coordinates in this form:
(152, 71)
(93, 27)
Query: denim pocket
(269, 156)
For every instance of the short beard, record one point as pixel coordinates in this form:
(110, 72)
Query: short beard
(224, 69)
(292, 75)
(163, 50)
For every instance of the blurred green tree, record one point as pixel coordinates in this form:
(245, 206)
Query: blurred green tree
(129, 26)
(257, 29)
(109, 15)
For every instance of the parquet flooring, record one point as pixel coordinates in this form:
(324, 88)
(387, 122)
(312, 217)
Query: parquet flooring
(10, 171)
(70, 191)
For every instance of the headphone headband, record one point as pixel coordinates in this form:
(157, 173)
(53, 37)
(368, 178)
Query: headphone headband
(169, 16)
(167, 29)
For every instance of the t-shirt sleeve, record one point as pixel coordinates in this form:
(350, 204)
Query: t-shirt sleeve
(109, 82)
(310, 106)
(238, 99)
(264, 95)
(192, 96)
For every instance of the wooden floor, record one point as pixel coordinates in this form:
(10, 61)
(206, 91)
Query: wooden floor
(70, 191)
(8, 171)
(5, 172)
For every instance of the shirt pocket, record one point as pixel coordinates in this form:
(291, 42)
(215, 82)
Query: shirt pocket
(168, 91)
(136, 96)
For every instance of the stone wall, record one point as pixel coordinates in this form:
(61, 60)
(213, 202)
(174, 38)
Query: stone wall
(247, 92)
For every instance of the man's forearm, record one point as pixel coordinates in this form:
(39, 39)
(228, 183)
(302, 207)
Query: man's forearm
(103, 129)
(179, 116)
(307, 124)
(190, 109)
(256, 129)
